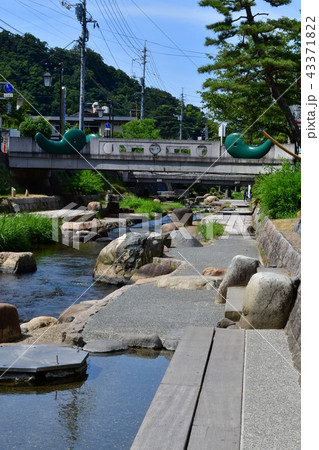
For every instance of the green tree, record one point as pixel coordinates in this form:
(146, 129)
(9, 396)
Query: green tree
(29, 127)
(86, 182)
(141, 129)
(258, 62)
(166, 121)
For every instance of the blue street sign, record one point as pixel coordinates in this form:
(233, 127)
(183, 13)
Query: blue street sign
(8, 88)
(107, 125)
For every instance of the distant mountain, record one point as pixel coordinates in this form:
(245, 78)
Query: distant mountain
(24, 59)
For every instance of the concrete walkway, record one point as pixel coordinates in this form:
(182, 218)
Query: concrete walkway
(271, 392)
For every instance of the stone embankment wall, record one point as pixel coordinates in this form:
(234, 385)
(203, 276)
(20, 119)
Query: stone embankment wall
(277, 251)
(52, 202)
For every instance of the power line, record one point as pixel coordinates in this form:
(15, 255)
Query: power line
(163, 32)
(8, 25)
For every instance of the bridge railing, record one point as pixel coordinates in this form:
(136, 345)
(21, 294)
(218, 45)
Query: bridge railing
(155, 148)
(129, 149)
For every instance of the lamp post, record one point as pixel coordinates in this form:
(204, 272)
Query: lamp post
(47, 78)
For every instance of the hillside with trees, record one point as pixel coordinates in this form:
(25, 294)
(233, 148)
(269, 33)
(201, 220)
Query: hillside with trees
(24, 59)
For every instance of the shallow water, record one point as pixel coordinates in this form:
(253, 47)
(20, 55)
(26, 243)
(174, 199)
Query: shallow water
(103, 412)
(64, 275)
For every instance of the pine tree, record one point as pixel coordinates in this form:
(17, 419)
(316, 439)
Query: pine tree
(258, 62)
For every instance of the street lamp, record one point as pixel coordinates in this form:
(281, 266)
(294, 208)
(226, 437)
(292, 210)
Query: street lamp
(47, 79)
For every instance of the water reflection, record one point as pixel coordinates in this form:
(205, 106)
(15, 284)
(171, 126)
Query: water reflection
(104, 412)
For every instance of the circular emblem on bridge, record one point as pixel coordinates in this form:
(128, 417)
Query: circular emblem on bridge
(155, 149)
(201, 150)
(107, 148)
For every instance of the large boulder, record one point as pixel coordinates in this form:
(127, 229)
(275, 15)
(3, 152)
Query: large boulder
(152, 270)
(168, 227)
(239, 272)
(297, 227)
(121, 258)
(182, 238)
(210, 199)
(89, 225)
(94, 206)
(39, 322)
(9, 323)
(189, 282)
(17, 262)
(182, 215)
(213, 272)
(268, 300)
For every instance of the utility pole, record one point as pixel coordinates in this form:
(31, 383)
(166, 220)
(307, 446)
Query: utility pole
(84, 18)
(143, 80)
(181, 117)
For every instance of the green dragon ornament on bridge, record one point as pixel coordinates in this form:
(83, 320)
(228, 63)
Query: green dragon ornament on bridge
(72, 142)
(237, 148)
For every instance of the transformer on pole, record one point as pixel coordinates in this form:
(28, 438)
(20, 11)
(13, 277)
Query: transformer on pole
(84, 18)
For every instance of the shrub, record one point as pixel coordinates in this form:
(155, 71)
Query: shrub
(279, 190)
(141, 205)
(236, 195)
(86, 182)
(29, 127)
(19, 232)
(5, 181)
(210, 230)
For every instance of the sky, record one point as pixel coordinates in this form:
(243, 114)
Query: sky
(174, 32)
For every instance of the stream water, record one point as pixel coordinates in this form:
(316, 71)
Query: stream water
(103, 412)
(63, 275)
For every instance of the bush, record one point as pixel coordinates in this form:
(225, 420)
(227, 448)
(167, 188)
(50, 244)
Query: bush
(141, 205)
(279, 191)
(5, 181)
(86, 182)
(19, 232)
(30, 127)
(210, 230)
(236, 195)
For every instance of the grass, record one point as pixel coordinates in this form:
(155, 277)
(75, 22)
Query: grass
(20, 232)
(210, 230)
(171, 205)
(148, 206)
(141, 205)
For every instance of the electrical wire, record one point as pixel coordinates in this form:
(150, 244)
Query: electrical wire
(164, 33)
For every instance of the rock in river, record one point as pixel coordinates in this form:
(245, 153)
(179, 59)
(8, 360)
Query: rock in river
(17, 262)
(9, 323)
(120, 259)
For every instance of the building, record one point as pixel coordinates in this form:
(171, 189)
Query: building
(99, 121)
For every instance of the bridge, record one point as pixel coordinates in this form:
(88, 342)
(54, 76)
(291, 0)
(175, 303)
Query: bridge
(149, 160)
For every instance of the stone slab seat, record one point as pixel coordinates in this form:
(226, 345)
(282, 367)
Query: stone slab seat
(234, 302)
(198, 403)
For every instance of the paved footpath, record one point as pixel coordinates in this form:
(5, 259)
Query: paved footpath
(271, 393)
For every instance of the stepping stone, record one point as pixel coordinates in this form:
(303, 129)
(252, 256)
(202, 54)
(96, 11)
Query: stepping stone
(105, 346)
(234, 302)
(41, 363)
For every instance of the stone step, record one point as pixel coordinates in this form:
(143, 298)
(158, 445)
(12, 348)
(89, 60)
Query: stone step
(234, 302)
